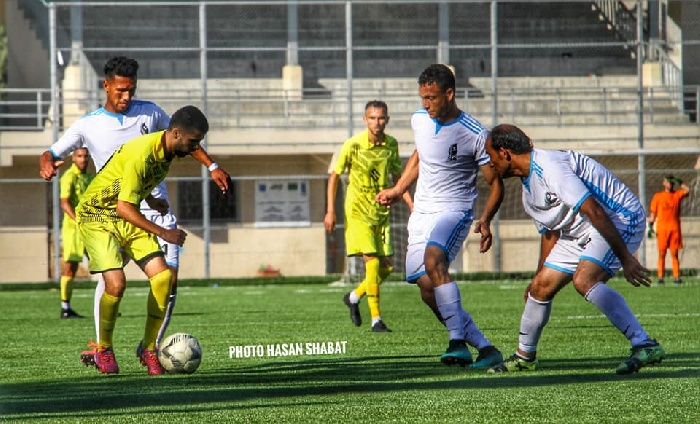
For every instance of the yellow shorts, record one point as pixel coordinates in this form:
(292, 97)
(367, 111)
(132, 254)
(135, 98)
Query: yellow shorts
(362, 238)
(73, 247)
(104, 242)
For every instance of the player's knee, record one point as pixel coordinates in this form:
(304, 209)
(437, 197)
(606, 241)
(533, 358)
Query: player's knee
(541, 289)
(161, 279)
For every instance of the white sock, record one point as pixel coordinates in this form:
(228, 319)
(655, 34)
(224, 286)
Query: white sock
(534, 318)
(376, 320)
(65, 305)
(354, 298)
(99, 289)
(449, 302)
(614, 306)
(472, 335)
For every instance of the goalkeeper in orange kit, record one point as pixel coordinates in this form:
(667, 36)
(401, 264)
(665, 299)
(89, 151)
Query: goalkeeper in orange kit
(665, 212)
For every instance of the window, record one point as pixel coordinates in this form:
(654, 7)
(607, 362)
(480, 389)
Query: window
(221, 208)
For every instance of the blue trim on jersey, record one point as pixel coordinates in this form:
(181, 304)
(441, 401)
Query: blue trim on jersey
(54, 154)
(102, 111)
(558, 268)
(534, 166)
(413, 279)
(577, 206)
(599, 263)
(470, 123)
(542, 231)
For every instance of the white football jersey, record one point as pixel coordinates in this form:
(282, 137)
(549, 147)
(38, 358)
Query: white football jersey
(103, 132)
(450, 156)
(560, 181)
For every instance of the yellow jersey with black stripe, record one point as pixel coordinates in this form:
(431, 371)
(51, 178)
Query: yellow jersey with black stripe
(129, 175)
(369, 171)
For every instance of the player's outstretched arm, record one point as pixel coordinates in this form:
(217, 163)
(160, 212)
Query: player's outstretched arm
(48, 165)
(329, 219)
(634, 272)
(220, 177)
(493, 203)
(131, 214)
(389, 196)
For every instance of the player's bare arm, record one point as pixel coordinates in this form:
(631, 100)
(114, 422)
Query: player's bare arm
(389, 196)
(406, 195)
(131, 213)
(329, 219)
(160, 205)
(48, 165)
(220, 177)
(67, 208)
(493, 202)
(634, 272)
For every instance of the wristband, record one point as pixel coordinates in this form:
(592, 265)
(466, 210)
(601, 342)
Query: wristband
(213, 166)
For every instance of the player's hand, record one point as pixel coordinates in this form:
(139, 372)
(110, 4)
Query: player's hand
(388, 197)
(174, 235)
(222, 179)
(49, 168)
(486, 237)
(160, 205)
(329, 221)
(527, 292)
(635, 273)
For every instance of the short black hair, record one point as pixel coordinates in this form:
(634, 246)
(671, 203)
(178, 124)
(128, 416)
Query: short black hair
(378, 104)
(511, 138)
(438, 74)
(121, 66)
(189, 118)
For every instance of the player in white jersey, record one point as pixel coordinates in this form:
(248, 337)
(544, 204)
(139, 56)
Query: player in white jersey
(103, 131)
(591, 224)
(449, 153)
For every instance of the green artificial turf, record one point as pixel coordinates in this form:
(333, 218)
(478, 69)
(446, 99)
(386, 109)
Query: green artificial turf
(374, 378)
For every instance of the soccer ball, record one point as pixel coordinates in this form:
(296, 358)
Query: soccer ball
(180, 353)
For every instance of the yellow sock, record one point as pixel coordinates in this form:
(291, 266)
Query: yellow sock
(157, 302)
(372, 280)
(109, 308)
(385, 272)
(66, 288)
(361, 290)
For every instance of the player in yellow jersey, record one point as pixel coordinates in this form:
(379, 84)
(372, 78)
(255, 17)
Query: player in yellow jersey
(370, 158)
(110, 222)
(74, 182)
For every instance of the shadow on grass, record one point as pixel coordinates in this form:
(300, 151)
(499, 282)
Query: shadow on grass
(279, 383)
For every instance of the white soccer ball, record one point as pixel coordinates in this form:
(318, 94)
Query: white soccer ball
(180, 353)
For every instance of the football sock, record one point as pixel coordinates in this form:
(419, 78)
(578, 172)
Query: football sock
(535, 317)
(372, 280)
(472, 334)
(66, 291)
(613, 305)
(157, 302)
(99, 290)
(661, 266)
(354, 297)
(109, 308)
(449, 303)
(675, 265)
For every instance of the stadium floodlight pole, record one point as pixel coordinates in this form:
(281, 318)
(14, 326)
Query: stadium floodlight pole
(641, 159)
(55, 184)
(348, 64)
(206, 221)
(496, 247)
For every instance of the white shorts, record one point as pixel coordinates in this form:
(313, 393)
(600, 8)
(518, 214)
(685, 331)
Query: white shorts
(447, 230)
(171, 250)
(569, 251)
